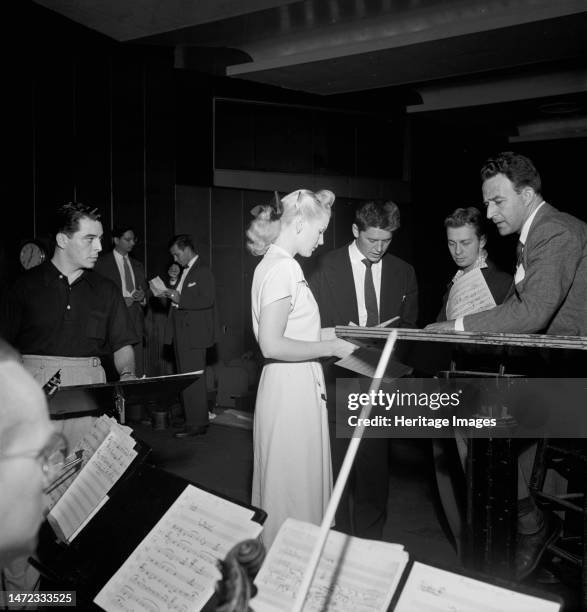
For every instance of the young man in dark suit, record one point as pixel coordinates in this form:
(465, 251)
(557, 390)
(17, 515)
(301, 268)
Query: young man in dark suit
(191, 329)
(363, 284)
(129, 276)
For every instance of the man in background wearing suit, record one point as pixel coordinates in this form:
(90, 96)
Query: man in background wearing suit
(549, 295)
(129, 276)
(191, 329)
(362, 284)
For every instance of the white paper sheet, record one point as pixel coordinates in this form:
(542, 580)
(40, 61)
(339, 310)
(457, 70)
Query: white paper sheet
(353, 574)
(430, 589)
(157, 286)
(103, 469)
(469, 294)
(174, 567)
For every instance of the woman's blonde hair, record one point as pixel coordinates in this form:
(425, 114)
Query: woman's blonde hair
(270, 218)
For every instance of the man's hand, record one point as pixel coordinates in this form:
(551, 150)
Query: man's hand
(442, 326)
(173, 295)
(128, 376)
(138, 295)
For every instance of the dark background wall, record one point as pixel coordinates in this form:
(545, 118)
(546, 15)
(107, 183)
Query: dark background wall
(119, 127)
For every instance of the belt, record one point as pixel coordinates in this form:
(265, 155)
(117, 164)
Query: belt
(92, 362)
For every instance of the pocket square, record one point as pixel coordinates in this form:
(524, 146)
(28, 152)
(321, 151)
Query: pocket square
(191, 284)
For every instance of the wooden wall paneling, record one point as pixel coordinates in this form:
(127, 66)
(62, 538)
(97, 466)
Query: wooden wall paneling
(92, 141)
(227, 264)
(159, 161)
(159, 197)
(250, 200)
(53, 117)
(192, 216)
(128, 149)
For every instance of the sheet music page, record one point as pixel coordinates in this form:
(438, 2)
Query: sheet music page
(364, 361)
(103, 469)
(174, 567)
(89, 443)
(353, 574)
(469, 294)
(428, 588)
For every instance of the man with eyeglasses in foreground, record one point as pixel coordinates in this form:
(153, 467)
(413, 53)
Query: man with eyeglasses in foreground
(29, 446)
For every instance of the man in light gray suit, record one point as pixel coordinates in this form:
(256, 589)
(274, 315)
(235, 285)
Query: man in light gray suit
(549, 295)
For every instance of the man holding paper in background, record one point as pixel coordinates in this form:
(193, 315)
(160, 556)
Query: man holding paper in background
(191, 329)
(361, 283)
(128, 274)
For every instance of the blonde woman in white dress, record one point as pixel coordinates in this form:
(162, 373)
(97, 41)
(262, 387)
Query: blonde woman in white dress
(292, 475)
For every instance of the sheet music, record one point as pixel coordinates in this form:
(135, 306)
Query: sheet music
(174, 567)
(428, 588)
(469, 294)
(353, 574)
(89, 443)
(101, 472)
(364, 361)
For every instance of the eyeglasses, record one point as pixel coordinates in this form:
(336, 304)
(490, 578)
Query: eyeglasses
(51, 457)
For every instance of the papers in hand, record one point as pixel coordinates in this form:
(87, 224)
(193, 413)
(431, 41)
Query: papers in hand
(469, 294)
(174, 567)
(107, 451)
(353, 574)
(365, 359)
(157, 286)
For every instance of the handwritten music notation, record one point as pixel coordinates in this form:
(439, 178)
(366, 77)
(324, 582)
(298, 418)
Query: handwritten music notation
(469, 294)
(174, 567)
(353, 574)
(429, 588)
(110, 453)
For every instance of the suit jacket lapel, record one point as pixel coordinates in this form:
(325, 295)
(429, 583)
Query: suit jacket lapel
(114, 271)
(344, 289)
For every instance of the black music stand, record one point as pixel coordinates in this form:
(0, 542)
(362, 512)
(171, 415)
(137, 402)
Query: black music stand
(111, 398)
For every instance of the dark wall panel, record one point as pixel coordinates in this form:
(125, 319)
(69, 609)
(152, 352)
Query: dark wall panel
(92, 132)
(54, 145)
(128, 147)
(159, 161)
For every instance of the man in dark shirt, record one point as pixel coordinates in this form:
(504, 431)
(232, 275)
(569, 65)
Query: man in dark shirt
(62, 315)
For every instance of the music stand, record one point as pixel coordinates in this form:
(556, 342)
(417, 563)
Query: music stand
(111, 397)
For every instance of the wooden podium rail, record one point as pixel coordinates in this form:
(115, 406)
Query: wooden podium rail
(371, 335)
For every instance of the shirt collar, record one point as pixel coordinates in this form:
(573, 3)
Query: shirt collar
(480, 262)
(120, 256)
(51, 273)
(528, 223)
(356, 255)
(191, 262)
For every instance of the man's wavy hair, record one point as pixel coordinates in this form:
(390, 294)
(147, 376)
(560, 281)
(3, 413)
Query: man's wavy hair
(517, 168)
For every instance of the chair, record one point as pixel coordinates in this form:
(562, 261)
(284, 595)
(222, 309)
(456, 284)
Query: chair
(569, 459)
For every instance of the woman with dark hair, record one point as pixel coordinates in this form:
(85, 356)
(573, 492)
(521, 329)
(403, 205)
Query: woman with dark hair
(466, 239)
(292, 474)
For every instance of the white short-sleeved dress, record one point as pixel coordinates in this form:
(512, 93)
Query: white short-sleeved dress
(292, 475)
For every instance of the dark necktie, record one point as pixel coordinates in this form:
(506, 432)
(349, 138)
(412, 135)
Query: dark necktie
(128, 284)
(519, 254)
(370, 296)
